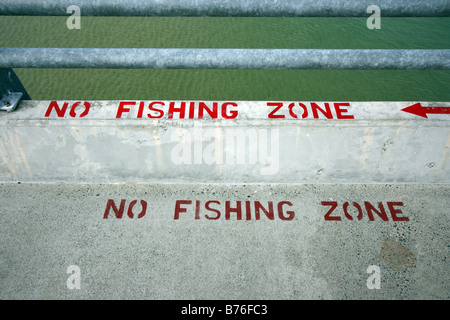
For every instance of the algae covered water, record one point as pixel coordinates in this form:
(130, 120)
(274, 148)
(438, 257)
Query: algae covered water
(213, 32)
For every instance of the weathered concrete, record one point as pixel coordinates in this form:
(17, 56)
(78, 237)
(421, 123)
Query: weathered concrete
(45, 228)
(357, 142)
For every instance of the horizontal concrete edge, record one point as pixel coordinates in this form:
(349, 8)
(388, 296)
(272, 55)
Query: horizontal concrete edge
(187, 185)
(246, 142)
(276, 111)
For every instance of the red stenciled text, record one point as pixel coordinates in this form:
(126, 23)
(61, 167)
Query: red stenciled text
(357, 211)
(178, 110)
(120, 209)
(234, 210)
(298, 110)
(73, 112)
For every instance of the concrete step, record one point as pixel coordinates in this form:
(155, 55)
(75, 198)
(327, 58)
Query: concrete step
(226, 142)
(220, 241)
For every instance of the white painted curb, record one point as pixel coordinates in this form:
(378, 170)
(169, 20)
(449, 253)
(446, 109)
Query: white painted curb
(225, 142)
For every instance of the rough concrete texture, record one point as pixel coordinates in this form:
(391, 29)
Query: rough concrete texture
(113, 144)
(45, 228)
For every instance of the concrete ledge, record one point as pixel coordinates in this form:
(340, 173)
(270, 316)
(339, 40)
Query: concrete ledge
(226, 142)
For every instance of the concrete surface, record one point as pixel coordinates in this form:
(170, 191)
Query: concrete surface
(46, 228)
(110, 142)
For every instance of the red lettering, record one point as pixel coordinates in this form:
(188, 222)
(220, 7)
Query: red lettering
(294, 115)
(143, 211)
(370, 209)
(151, 108)
(248, 210)
(258, 206)
(394, 211)
(197, 210)
(327, 113)
(180, 110)
(179, 209)
(233, 113)
(211, 209)
(59, 111)
(357, 206)
(212, 113)
(278, 106)
(191, 109)
(123, 109)
(87, 106)
(236, 210)
(140, 110)
(112, 205)
(305, 111)
(214, 213)
(290, 214)
(333, 205)
(340, 111)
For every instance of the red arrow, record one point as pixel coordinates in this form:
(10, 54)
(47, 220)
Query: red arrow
(418, 110)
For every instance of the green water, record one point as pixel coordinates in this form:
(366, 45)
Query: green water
(160, 32)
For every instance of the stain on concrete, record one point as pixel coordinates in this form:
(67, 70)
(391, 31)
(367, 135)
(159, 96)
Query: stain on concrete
(430, 165)
(386, 145)
(384, 150)
(396, 256)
